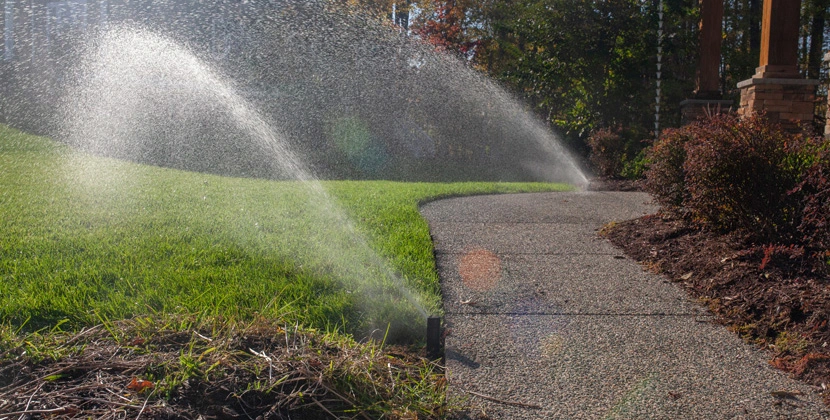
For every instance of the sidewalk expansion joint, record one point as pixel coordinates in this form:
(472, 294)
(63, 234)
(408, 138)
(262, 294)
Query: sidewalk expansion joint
(507, 254)
(492, 223)
(608, 314)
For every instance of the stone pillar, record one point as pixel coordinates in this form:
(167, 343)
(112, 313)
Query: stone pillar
(694, 109)
(707, 99)
(777, 88)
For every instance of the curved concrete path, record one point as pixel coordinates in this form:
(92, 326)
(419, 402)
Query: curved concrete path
(555, 323)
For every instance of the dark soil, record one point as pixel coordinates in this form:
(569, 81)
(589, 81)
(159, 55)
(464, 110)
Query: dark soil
(614, 184)
(775, 297)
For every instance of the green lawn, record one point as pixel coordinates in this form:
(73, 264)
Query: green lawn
(85, 239)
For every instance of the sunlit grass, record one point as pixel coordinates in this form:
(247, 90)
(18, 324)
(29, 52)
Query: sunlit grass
(87, 239)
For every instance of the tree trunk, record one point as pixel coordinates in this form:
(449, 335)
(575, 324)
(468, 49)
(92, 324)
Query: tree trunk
(815, 53)
(754, 25)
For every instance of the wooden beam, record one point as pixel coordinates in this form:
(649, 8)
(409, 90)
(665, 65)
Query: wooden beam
(711, 34)
(779, 38)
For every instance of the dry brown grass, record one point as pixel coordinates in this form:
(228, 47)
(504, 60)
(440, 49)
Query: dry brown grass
(152, 368)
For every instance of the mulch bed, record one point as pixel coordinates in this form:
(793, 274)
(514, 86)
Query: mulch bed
(773, 297)
(611, 184)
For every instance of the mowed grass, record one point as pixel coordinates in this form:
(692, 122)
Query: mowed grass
(86, 239)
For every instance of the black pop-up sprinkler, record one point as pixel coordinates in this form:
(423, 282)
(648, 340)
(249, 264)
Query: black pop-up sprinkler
(434, 337)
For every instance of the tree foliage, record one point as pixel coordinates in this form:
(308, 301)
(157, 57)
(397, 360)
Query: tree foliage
(448, 25)
(589, 65)
(579, 65)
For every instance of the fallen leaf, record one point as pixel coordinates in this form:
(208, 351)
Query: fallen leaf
(786, 394)
(138, 341)
(139, 385)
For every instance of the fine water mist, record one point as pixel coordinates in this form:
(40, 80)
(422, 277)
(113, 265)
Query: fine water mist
(365, 100)
(144, 97)
(285, 90)
(355, 97)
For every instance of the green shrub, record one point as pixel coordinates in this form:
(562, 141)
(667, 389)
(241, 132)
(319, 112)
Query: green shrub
(635, 168)
(617, 153)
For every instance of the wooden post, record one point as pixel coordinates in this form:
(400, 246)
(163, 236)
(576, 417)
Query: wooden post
(707, 98)
(777, 89)
(711, 34)
(779, 38)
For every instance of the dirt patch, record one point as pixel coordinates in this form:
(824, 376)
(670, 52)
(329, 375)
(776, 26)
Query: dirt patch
(614, 184)
(773, 296)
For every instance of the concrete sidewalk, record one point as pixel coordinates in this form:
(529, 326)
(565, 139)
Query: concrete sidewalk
(556, 323)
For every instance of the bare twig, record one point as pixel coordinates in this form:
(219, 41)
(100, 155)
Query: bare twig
(28, 403)
(145, 404)
(346, 400)
(391, 377)
(203, 337)
(14, 387)
(324, 408)
(116, 395)
(77, 336)
(505, 402)
(266, 357)
(58, 410)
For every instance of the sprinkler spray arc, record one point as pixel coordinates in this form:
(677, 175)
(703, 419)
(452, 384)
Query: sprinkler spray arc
(143, 95)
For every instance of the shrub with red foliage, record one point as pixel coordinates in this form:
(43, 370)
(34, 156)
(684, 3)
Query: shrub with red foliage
(749, 176)
(737, 175)
(607, 150)
(814, 194)
(665, 178)
(781, 256)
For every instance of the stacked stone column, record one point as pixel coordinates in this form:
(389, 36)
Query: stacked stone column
(707, 98)
(777, 89)
(787, 101)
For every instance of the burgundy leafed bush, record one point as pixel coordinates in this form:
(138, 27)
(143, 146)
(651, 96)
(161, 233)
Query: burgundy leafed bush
(607, 150)
(665, 178)
(814, 194)
(737, 177)
(745, 175)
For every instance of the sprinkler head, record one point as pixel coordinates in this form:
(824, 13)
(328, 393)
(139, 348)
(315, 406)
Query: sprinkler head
(434, 337)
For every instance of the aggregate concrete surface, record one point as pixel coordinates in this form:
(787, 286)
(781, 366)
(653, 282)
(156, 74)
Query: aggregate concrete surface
(546, 320)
